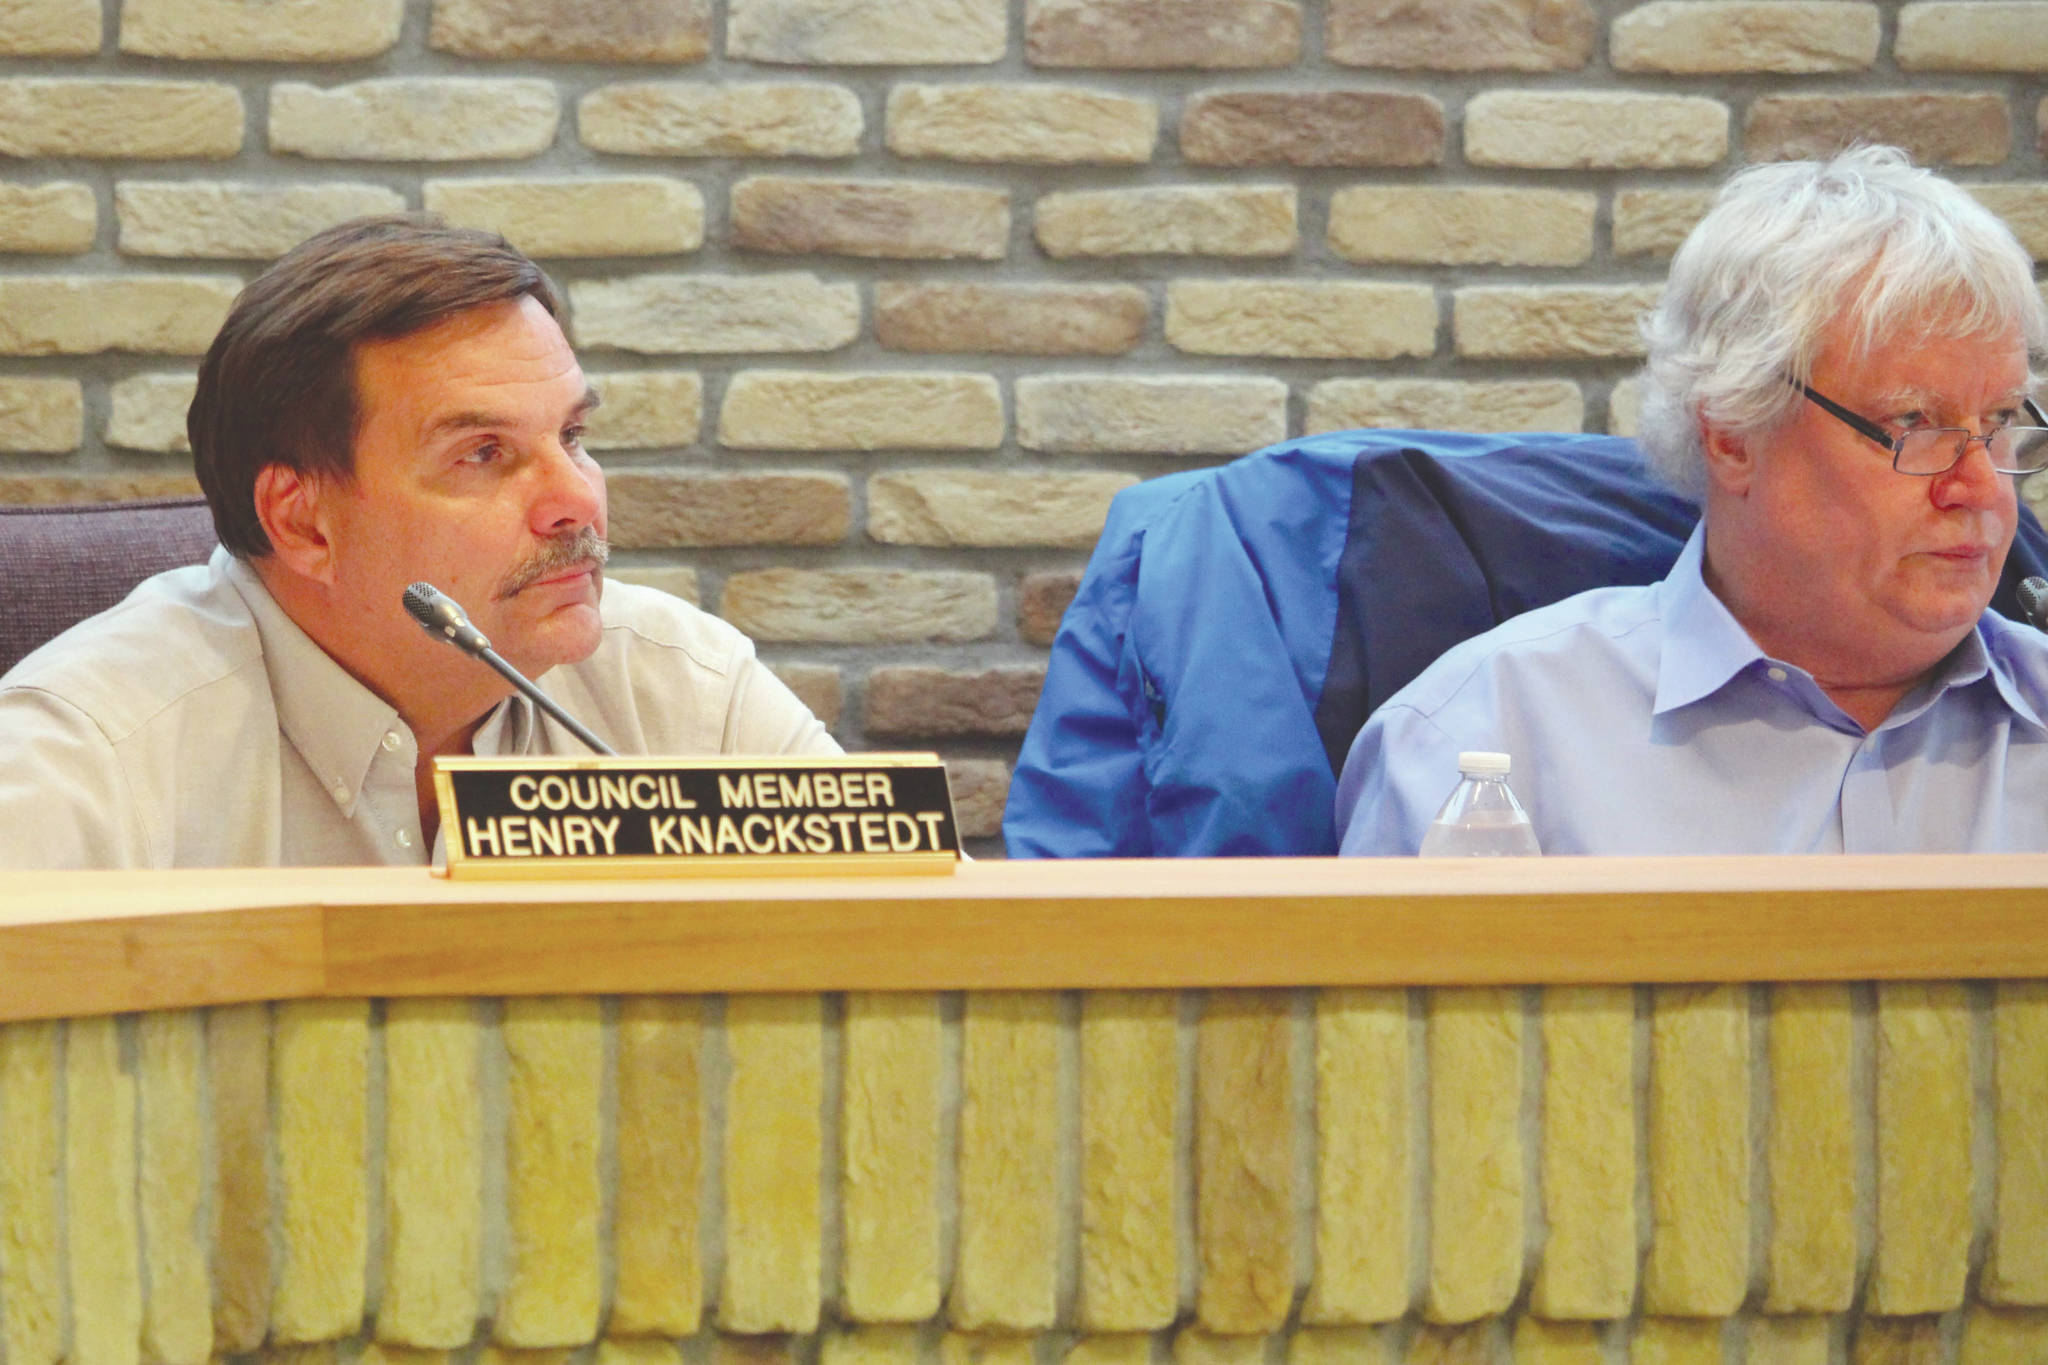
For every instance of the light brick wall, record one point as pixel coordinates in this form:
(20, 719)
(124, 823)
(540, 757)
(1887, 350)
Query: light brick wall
(889, 298)
(1233, 1177)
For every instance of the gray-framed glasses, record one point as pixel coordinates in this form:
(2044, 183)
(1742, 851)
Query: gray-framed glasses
(1936, 450)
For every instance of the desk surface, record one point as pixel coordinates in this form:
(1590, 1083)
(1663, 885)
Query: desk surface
(96, 942)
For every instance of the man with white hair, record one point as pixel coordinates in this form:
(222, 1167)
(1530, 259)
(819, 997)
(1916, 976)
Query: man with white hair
(1840, 370)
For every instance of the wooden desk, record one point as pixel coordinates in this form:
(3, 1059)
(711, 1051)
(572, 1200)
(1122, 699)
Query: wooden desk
(1370, 1108)
(80, 943)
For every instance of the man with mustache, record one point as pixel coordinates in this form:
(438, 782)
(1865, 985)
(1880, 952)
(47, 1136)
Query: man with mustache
(1840, 371)
(393, 401)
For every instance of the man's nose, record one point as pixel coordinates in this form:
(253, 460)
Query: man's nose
(571, 493)
(1970, 481)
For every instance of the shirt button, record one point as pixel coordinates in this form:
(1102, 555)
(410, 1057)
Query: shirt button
(404, 837)
(391, 741)
(341, 792)
(1775, 674)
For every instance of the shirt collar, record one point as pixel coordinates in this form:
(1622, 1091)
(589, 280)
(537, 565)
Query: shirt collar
(1997, 641)
(1704, 645)
(511, 728)
(1705, 648)
(334, 721)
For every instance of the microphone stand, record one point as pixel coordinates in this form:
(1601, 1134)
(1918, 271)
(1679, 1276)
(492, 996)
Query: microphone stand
(545, 702)
(442, 617)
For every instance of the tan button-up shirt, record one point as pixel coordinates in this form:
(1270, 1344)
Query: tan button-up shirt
(195, 725)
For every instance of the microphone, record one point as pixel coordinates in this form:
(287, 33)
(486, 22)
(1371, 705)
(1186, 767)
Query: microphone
(443, 618)
(2033, 595)
(438, 613)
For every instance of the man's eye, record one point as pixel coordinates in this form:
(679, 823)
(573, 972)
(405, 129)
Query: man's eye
(2004, 417)
(572, 436)
(487, 453)
(1908, 421)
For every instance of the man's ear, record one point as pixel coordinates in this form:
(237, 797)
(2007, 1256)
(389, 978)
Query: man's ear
(1729, 463)
(289, 506)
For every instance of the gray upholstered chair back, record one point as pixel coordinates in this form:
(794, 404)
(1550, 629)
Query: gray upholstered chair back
(62, 564)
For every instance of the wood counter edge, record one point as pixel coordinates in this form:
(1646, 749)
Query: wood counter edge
(89, 943)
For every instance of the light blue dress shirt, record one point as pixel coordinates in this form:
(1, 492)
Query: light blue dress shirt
(1645, 720)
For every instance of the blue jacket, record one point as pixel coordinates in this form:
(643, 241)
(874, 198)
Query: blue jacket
(1236, 625)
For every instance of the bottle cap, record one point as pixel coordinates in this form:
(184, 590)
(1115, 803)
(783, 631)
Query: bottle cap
(1483, 763)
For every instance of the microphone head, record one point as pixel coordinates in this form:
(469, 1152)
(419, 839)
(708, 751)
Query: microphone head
(440, 615)
(2033, 597)
(424, 601)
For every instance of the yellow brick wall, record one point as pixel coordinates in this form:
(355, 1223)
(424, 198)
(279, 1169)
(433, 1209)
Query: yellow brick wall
(1798, 1174)
(888, 298)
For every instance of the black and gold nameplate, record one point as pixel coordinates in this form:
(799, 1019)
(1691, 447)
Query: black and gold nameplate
(603, 817)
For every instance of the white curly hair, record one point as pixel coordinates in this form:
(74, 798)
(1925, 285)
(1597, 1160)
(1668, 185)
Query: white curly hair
(1786, 252)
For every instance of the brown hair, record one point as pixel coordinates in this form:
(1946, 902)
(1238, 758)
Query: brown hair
(277, 385)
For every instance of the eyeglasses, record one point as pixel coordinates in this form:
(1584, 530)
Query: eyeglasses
(1928, 451)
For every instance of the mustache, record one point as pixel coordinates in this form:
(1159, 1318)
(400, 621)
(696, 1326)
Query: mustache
(571, 551)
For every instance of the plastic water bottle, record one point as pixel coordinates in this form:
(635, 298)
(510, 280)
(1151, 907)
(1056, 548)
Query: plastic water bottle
(1482, 819)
